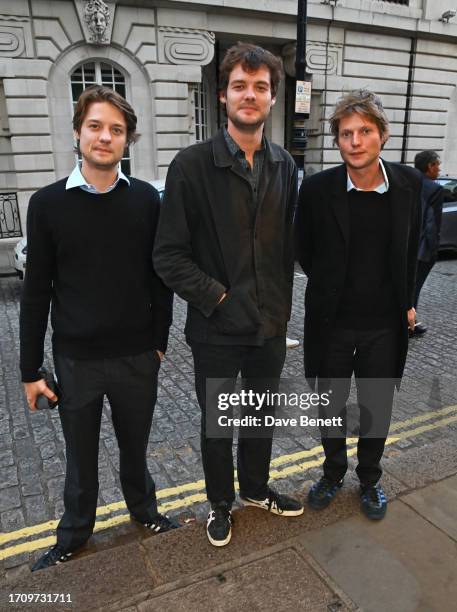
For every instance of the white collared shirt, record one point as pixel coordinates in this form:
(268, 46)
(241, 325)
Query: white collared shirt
(382, 188)
(76, 179)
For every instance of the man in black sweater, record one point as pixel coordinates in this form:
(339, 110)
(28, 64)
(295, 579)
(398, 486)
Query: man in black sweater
(224, 244)
(357, 234)
(90, 239)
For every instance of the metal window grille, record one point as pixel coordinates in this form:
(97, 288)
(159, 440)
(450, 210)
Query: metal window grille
(101, 73)
(404, 2)
(201, 112)
(10, 221)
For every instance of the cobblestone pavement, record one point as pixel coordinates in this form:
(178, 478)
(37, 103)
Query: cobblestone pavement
(32, 457)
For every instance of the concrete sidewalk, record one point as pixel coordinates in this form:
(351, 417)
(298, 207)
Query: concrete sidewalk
(330, 561)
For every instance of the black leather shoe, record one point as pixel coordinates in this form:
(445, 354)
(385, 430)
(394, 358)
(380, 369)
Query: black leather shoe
(419, 330)
(53, 556)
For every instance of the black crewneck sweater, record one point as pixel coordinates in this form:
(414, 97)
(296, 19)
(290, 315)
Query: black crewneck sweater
(368, 299)
(90, 256)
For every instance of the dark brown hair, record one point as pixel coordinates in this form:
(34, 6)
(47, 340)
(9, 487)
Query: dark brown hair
(99, 93)
(251, 57)
(364, 102)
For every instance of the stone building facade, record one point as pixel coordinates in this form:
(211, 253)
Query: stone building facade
(163, 56)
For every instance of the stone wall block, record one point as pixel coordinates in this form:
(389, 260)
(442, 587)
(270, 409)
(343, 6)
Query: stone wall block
(29, 125)
(124, 19)
(31, 144)
(176, 108)
(27, 107)
(172, 124)
(177, 91)
(61, 12)
(37, 162)
(34, 180)
(25, 87)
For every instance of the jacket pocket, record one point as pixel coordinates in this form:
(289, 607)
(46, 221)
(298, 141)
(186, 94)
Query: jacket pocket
(237, 315)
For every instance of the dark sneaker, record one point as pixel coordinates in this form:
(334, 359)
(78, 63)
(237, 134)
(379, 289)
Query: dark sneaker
(161, 524)
(373, 502)
(276, 503)
(322, 492)
(219, 524)
(53, 556)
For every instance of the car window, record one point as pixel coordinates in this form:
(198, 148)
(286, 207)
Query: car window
(448, 183)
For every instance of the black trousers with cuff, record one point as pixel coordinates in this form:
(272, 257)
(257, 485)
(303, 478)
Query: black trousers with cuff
(260, 368)
(130, 384)
(371, 356)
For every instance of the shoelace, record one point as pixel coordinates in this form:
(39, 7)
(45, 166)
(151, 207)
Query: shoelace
(274, 499)
(373, 494)
(324, 487)
(58, 555)
(162, 523)
(221, 514)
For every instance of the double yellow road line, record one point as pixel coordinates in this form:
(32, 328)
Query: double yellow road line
(193, 492)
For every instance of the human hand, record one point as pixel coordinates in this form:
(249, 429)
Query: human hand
(411, 318)
(34, 389)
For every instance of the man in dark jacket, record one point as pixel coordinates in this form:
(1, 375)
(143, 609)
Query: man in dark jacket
(432, 198)
(357, 232)
(90, 238)
(224, 245)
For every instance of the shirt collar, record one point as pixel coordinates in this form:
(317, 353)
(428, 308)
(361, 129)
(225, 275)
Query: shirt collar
(382, 188)
(76, 179)
(233, 146)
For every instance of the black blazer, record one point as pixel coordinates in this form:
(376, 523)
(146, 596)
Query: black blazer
(322, 240)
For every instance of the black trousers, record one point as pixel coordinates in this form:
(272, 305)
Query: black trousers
(423, 270)
(371, 355)
(130, 384)
(260, 368)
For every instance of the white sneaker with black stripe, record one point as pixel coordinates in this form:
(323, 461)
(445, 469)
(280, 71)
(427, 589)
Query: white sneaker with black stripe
(276, 503)
(219, 524)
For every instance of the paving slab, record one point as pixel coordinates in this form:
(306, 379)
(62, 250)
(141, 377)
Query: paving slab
(402, 563)
(419, 466)
(296, 586)
(104, 576)
(438, 504)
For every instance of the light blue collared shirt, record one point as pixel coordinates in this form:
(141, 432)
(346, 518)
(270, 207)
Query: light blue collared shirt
(382, 188)
(76, 179)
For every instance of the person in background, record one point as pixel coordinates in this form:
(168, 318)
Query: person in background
(432, 198)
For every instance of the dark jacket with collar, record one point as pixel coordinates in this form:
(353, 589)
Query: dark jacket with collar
(432, 198)
(322, 239)
(212, 239)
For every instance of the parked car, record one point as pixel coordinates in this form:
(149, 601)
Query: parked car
(448, 238)
(20, 250)
(20, 256)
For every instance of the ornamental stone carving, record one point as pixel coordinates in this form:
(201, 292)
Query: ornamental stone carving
(15, 37)
(97, 20)
(185, 46)
(319, 59)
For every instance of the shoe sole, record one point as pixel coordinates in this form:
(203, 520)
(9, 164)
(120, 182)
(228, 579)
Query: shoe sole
(378, 517)
(246, 502)
(219, 543)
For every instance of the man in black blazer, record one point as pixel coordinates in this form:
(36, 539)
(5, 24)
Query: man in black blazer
(357, 234)
(225, 245)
